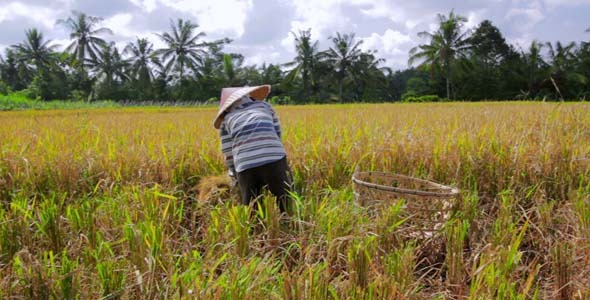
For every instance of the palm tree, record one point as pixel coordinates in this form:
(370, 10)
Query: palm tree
(141, 56)
(183, 48)
(4, 86)
(429, 54)
(561, 55)
(83, 32)
(270, 74)
(160, 70)
(14, 72)
(232, 65)
(563, 66)
(341, 56)
(447, 44)
(108, 65)
(140, 61)
(534, 71)
(161, 78)
(367, 74)
(305, 61)
(35, 51)
(583, 68)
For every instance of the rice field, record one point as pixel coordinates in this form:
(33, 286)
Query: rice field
(109, 204)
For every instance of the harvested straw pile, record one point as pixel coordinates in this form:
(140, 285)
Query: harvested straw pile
(214, 189)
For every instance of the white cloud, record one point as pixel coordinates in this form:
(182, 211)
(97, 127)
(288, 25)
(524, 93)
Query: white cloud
(410, 24)
(554, 3)
(147, 5)
(432, 27)
(224, 16)
(384, 9)
(526, 17)
(62, 43)
(120, 24)
(260, 58)
(297, 26)
(523, 41)
(391, 45)
(326, 15)
(14, 10)
(473, 19)
(257, 54)
(532, 15)
(288, 43)
(389, 42)
(317, 22)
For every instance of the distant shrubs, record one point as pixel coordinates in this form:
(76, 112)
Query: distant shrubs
(4, 88)
(430, 98)
(20, 100)
(411, 96)
(12, 101)
(77, 95)
(280, 100)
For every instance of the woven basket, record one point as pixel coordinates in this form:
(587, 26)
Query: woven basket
(427, 204)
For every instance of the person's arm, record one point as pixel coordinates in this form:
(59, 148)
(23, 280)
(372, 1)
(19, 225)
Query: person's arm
(275, 121)
(226, 149)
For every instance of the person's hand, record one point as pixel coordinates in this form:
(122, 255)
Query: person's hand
(232, 175)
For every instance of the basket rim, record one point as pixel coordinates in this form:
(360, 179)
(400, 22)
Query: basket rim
(450, 191)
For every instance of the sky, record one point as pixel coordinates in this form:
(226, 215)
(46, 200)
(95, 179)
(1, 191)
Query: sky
(262, 30)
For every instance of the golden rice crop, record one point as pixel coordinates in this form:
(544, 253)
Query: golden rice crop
(102, 203)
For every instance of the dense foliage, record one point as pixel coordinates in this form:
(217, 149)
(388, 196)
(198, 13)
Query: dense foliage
(454, 62)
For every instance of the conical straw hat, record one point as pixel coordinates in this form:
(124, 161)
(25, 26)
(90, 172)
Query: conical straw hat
(232, 94)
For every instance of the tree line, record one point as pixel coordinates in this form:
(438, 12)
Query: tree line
(454, 62)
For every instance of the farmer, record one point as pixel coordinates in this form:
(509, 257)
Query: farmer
(251, 143)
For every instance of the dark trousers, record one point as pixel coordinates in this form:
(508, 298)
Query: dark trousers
(275, 175)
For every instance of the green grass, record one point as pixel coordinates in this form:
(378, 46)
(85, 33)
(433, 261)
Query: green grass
(17, 101)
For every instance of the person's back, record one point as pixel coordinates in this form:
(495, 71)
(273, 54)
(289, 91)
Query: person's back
(253, 132)
(251, 143)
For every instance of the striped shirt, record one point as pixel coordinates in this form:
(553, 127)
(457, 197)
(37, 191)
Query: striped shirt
(251, 136)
